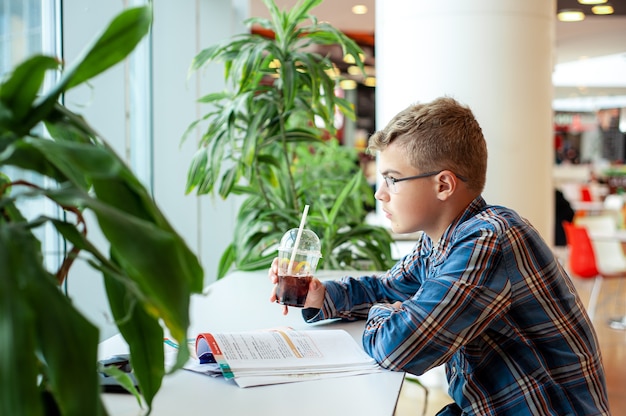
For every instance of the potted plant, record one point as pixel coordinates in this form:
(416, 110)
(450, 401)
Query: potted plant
(48, 349)
(267, 137)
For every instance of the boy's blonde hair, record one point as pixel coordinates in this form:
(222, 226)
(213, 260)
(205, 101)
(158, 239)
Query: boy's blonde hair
(442, 134)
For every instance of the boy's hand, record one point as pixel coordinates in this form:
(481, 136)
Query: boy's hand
(315, 297)
(273, 276)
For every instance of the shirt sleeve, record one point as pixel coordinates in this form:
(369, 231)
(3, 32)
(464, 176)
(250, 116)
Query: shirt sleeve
(456, 302)
(351, 298)
(310, 313)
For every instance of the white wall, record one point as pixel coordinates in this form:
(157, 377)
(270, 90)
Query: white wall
(180, 30)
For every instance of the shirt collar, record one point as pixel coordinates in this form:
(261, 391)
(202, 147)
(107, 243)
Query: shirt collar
(477, 205)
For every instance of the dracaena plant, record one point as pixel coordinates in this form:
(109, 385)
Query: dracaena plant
(48, 349)
(266, 136)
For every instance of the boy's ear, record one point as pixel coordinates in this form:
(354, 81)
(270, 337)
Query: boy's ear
(447, 184)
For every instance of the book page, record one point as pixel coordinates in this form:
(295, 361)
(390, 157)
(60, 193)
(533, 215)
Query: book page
(278, 356)
(271, 345)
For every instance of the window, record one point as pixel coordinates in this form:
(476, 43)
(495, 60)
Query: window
(29, 27)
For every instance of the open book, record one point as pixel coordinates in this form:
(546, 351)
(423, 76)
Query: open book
(277, 356)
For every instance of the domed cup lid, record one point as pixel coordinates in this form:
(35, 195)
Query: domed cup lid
(309, 242)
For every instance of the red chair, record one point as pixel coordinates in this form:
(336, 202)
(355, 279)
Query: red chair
(582, 260)
(585, 194)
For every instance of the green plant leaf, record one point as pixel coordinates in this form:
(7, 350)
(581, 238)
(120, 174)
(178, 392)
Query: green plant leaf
(150, 241)
(123, 378)
(153, 288)
(301, 11)
(25, 155)
(17, 339)
(263, 140)
(21, 261)
(144, 335)
(341, 198)
(150, 275)
(19, 91)
(226, 261)
(62, 322)
(228, 181)
(116, 42)
(198, 169)
(119, 38)
(202, 58)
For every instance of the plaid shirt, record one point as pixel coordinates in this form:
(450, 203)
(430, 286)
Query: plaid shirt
(491, 302)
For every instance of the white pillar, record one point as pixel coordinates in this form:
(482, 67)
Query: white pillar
(495, 56)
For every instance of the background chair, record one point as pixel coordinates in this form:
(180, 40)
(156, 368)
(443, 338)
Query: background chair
(614, 206)
(582, 261)
(609, 252)
(585, 194)
(606, 252)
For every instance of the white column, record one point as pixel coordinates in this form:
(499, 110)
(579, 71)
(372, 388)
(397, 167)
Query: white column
(495, 56)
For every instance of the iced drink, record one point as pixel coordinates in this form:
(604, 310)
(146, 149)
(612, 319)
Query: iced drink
(292, 290)
(296, 270)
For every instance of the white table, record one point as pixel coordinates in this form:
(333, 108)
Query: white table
(241, 302)
(592, 207)
(617, 235)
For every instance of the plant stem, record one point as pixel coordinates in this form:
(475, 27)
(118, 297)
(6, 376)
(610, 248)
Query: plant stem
(288, 162)
(64, 269)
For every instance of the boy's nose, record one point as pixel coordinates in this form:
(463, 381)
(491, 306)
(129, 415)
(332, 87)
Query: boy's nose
(382, 193)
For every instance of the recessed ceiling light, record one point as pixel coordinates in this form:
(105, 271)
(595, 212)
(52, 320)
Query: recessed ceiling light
(354, 70)
(274, 64)
(333, 72)
(602, 9)
(570, 15)
(347, 84)
(592, 1)
(349, 59)
(359, 9)
(370, 82)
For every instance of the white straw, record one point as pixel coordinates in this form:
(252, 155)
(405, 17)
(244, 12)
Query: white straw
(295, 245)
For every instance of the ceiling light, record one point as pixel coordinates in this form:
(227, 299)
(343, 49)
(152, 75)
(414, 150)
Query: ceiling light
(602, 9)
(570, 15)
(592, 1)
(370, 81)
(333, 72)
(347, 84)
(349, 59)
(359, 9)
(354, 70)
(274, 64)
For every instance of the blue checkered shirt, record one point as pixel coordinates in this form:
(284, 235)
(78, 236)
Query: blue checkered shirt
(492, 303)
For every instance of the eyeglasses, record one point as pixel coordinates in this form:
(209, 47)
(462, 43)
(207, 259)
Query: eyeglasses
(391, 181)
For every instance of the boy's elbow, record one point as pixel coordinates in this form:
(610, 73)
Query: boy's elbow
(389, 357)
(382, 353)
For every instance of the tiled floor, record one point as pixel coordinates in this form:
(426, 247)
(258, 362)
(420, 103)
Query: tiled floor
(612, 302)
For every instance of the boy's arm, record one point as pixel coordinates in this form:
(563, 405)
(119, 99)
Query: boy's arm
(466, 292)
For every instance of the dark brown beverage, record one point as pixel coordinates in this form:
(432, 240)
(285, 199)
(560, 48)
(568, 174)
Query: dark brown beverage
(292, 290)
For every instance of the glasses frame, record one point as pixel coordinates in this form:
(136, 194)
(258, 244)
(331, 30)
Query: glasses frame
(391, 182)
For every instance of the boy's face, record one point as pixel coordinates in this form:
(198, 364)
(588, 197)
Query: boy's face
(410, 205)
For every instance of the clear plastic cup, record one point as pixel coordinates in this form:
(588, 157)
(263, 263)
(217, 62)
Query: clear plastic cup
(294, 276)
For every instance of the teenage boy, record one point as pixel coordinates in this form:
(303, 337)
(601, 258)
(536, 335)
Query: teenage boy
(481, 292)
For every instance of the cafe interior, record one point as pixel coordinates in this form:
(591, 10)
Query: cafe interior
(587, 157)
(550, 94)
